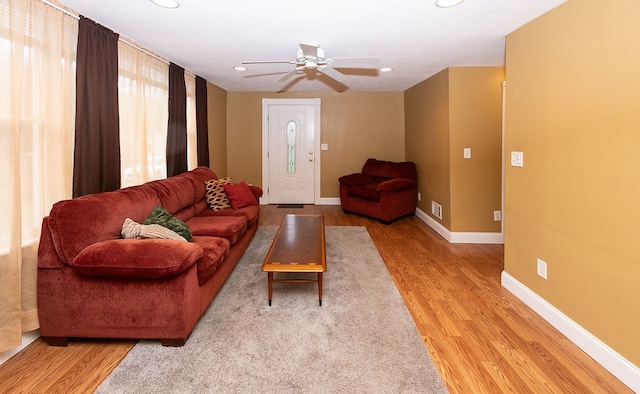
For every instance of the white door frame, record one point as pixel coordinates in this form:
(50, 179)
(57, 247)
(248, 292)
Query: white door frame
(265, 143)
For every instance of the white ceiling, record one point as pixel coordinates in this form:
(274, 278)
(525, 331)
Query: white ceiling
(414, 37)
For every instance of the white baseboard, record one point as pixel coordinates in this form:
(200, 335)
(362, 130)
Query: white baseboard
(460, 237)
(329, 201)
(323, 201)
(620, 367)
(27, 338)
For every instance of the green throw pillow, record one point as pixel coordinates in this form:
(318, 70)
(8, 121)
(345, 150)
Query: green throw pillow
(162, 217)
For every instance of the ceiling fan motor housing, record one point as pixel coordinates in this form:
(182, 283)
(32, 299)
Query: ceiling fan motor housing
(312, 57)
(304, 59)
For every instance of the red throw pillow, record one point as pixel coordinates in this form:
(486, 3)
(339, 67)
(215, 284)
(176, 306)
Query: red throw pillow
(240, 195)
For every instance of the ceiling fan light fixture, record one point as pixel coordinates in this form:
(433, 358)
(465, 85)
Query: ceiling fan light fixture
(240, 68)
(385, 69)
(166, 3)
(447, 3)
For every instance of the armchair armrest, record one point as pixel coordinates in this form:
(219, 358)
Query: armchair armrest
(395, 185)
(136, 258)
(355, 179)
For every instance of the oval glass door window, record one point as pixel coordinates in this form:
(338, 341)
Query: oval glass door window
(291, 147)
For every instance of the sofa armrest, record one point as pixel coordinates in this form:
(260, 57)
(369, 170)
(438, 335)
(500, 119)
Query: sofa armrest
(395, 185)
(257, 191)
(355, 179)
(136, 258)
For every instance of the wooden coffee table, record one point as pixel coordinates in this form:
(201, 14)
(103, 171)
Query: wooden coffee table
(298, 247)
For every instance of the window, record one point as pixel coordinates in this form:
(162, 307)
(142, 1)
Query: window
(291, 146)
(37, 110)
(143, 96)
(143, 93)
(192, 126)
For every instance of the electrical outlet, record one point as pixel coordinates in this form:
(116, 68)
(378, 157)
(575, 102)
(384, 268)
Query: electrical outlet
(497, 216)
(542, 268)
(419, 197)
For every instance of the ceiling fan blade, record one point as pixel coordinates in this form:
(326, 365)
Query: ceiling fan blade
(269, 61)
(309, 50)
(289, 74)
(355, 62)
(333, 73)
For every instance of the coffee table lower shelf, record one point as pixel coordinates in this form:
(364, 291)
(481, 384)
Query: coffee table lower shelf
(271, 281)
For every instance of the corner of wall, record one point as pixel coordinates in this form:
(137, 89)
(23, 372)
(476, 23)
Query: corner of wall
(460, 237)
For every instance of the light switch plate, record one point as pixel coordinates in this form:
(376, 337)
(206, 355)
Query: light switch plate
(324, 146)
(517, 159)
(467, 153)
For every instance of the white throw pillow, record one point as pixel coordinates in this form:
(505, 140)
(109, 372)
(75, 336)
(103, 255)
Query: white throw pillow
(131, 229)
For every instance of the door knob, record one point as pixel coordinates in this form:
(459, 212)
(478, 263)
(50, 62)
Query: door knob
(310, 159)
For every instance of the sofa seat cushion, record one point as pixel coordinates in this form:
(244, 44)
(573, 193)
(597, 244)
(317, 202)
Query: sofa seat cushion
(231, 228)
(355, 179)
(395, 185)
(136, 258)
(365, 192)
(251, 212)
(214, 252)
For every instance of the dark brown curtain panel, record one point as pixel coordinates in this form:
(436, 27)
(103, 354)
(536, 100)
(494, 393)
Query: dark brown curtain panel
(202, 120)
(96, 165)
(177, 129)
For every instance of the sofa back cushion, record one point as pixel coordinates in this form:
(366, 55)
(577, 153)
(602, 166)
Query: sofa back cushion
(198, 177)
(77, 223)
(389, 169)
(175, 193)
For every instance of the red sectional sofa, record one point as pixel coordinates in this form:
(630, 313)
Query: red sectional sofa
(92, 283)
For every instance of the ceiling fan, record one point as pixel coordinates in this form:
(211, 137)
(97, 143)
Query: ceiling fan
(312, 57)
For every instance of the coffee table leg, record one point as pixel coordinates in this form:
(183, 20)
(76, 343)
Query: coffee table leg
(320, 287)
(270, 280)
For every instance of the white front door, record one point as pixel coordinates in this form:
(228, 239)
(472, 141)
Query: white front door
(291, 150)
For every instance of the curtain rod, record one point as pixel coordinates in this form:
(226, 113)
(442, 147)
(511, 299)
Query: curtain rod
(123, 40)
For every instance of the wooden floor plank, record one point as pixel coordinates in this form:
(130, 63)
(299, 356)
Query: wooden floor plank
(480, 336)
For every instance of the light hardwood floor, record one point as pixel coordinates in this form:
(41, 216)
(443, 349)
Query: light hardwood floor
(481, 337)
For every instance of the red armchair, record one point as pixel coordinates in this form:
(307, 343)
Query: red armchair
(383, 190)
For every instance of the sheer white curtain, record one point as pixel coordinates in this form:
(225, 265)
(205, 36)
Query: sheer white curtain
(192, 126)
(143, 94)
(37, 111)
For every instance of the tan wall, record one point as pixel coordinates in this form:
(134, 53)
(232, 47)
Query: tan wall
(475, 121)
(355, 125)
(217, 114)
(458, 108)
(427, 141)
(572, 107)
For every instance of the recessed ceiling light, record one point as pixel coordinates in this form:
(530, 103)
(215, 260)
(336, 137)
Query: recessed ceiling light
(385, 69)
(447, 3)
(240, 68)
(166, 3)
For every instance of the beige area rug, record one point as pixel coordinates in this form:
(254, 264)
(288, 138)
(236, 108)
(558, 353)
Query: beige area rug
(361, 340)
